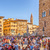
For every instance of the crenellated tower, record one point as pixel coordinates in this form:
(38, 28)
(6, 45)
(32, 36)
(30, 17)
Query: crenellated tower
(44, 17)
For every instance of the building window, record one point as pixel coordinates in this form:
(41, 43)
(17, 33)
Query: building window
(44, 23)
(0, 25)
(14, 25)
(49, 12)
(43, 4)
(6, 29)
(0, 29)
(14, 22)
(12, 30)
(9, 29)
(43, 14)
(8, 23)
(0, 34)
(0, 21)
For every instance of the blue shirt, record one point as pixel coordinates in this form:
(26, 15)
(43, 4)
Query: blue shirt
(16, 47)
(31, 47)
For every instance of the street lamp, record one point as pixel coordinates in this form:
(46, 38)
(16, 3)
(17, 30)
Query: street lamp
(43, 31)
(33, 33)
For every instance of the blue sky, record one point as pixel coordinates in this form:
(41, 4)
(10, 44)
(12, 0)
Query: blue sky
(20, 9)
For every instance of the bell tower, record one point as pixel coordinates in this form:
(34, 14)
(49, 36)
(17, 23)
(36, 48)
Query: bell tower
(31, 19)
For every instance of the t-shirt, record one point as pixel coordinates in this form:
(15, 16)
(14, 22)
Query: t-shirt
(28, 48)
(0, 48)
(3, 44)
(16, 47)
(31, 47)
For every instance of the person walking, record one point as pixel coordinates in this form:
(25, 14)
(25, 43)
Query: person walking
(31, 47)
(16, 46)
(28, 47)
(23, 48)
(49, 45)
(19, 48)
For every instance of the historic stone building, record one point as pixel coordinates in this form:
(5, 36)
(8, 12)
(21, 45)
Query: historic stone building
(14, 27)
(21, 26)
(44, 17)
(31, 28)
(9, 26)
(18, 26)
(1, 25)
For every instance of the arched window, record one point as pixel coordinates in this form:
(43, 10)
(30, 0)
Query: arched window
(49, 12)
(43, 14)
(44, 23)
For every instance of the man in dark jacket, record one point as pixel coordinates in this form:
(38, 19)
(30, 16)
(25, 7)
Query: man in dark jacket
(49, 44)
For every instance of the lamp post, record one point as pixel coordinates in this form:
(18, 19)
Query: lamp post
(27, 30)
(33, 33)
(43, 31)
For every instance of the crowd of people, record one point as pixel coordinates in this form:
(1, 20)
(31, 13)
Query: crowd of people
(24, 43)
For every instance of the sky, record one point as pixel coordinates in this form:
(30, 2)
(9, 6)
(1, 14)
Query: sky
(20, 9)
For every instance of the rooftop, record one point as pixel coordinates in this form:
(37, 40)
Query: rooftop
(1, 16)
